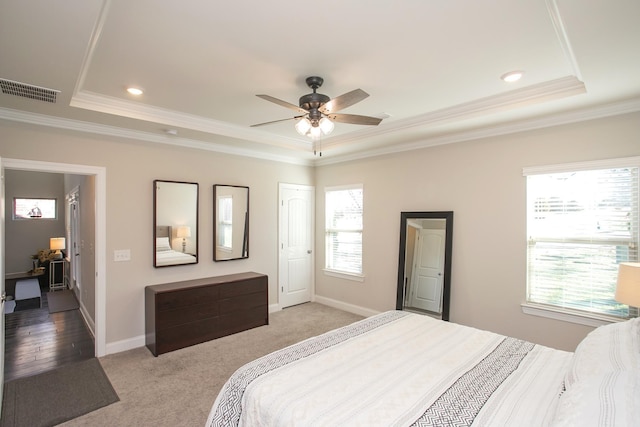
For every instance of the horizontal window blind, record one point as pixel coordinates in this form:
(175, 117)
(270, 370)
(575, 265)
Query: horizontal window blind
(581, 225)
(343, 228)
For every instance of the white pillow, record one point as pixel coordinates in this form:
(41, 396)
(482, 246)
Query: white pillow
(609, 348)
(610, 399)
(162, 244)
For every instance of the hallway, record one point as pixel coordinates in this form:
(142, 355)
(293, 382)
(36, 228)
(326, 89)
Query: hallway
(37, 341)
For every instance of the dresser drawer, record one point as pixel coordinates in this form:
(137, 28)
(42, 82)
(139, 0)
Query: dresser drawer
(169, 318)
(242, 302)
(186, 335)
(185, 298)
(233, 289)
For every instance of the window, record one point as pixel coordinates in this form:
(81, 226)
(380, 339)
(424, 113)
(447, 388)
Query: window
(582, 221)
(225, 224)
(343, 228)
(24, 208)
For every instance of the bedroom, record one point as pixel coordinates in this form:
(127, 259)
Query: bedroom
(480, 179)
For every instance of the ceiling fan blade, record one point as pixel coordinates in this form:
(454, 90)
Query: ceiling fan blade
(343, 101)
(283, 103)
(355, 119)
(276, 121)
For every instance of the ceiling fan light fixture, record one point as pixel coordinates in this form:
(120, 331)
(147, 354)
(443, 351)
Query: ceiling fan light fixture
(326, 125)
(303, 125)
(315, 132)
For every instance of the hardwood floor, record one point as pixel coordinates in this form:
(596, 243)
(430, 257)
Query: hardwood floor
(37, 341)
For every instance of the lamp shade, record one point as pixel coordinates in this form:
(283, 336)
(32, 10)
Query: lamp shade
(628, 286)
(56, 243)
(183, 231)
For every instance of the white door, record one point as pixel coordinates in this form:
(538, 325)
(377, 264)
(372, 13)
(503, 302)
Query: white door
(2, 291)
(295, 264)
(74, 239)
(428, 272)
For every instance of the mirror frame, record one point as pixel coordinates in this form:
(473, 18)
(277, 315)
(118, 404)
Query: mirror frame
(446, 284)
(156, 225)
(244, 253)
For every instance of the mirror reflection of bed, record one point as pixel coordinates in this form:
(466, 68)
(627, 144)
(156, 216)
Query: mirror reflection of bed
(175, 223)
(165, 252)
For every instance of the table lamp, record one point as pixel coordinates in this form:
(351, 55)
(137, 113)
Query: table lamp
(628, 286)
(56, 244)
(184, 231)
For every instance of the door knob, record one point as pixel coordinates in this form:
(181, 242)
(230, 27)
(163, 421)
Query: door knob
(309, 251)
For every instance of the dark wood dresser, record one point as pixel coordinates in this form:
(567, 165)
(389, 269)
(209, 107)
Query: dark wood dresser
(181, 314)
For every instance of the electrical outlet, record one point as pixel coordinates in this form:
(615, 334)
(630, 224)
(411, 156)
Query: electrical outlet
(122, 255)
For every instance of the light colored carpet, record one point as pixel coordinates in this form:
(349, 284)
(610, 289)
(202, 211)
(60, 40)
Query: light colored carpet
(178, 388)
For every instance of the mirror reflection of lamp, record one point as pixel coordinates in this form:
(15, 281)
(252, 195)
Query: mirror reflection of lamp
(628, 286)
(56, 244)
(183, 232)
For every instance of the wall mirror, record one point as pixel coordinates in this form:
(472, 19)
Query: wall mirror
(231, 222)
(424, 265)
(175, 223)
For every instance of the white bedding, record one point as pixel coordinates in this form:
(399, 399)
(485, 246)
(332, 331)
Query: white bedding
(397, 369)
(173, 257)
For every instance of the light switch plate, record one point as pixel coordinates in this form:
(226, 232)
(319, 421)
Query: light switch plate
(122, 255)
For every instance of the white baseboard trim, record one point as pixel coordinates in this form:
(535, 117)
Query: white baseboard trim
(355, 309)
(124, 345)
(274, 308)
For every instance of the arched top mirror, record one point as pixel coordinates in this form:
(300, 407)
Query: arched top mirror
(175, 223)
(424, 263)
(231, 222)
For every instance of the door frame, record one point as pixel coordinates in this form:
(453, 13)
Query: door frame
(282, 186)
(100, 174)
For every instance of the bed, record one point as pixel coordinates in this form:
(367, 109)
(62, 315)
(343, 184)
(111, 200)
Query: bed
(165, 255)
(404, 369)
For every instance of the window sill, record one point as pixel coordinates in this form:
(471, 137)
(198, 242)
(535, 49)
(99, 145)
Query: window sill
(568, 315)
(343, 275)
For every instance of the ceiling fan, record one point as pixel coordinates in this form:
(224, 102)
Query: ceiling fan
(318, 111)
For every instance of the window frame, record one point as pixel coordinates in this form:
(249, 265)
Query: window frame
(329, 231)
(569, 314)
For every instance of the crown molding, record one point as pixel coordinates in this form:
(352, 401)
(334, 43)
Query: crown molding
(110, 105)
(556, 119)
(530, 95)
(116, 132)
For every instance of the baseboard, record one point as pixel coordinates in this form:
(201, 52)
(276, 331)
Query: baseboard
(355, 309)
(274, 308)
(124, 345)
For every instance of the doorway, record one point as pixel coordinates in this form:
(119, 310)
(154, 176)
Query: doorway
(99, 179)
(295, 259)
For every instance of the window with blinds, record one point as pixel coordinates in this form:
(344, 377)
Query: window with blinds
(581, 224)
(343, 229)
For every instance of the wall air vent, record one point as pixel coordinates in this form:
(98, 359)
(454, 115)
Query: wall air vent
(28, 91)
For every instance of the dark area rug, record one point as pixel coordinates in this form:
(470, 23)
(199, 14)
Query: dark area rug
(57, 396)
(61, 301)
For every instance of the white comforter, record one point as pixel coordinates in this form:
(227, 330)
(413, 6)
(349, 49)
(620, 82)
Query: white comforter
(173, 258)
(397, 369)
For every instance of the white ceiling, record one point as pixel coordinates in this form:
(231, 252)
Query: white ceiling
(433, 67)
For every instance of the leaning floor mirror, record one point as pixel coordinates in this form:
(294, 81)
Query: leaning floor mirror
(424, 263)
(175, 223)
(231, 222)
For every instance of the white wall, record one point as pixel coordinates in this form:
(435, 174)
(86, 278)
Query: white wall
(131, 167)
(482, 182)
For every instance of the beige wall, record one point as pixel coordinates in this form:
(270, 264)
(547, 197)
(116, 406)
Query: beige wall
(482, 182)
(131, 167)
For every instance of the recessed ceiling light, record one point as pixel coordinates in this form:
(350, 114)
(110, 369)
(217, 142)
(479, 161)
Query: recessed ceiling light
(134, 91)
(512, 76)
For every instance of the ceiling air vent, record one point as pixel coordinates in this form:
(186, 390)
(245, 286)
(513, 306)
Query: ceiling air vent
(28, 91)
